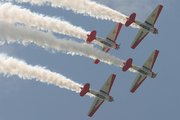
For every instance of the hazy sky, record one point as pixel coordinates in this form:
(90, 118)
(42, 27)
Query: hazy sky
(155, 99)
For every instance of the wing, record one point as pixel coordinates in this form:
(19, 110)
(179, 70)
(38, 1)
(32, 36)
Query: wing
(137, 82)
(114, 33)
(96, 104)
(151, 20)
(139, 37)
(108, 84)
(151, 60)
(104, 49)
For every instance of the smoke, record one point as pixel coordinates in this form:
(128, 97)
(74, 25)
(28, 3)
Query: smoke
(17, 14)
(12, 66)
(25, 35)
(85, 7)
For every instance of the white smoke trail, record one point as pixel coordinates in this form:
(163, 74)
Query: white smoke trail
(12, 66)
(17, 14)
(24, 34)
(85, 7)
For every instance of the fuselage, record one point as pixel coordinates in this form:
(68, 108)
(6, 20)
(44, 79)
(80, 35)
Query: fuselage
(102, 95)
(147, 26)
(108, 43)
(145, 71)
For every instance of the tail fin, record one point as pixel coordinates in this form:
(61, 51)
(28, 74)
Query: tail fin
(85, 89)
(127, 65)
(131, 19)
(91, 37)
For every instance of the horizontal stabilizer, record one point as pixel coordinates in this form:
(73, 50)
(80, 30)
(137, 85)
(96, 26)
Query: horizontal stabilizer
(91, 37)
(131, 19)
(96, 61)
(127, 65)
(85, 89)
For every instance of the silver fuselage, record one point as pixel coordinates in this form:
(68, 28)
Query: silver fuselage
(145, 71)
(102, 95)
(108, 43)
(147, 26)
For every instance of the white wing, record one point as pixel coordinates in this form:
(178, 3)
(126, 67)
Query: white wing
(151, 20)
(151, 60)
(114, 33)
(137, 82)
(139, 37)
(96, 104)
(108, 84)
(104, 49)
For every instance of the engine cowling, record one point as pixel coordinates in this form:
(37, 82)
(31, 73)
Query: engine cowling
(153, 75)
(117, 47)
(111, 98)
(155, 31)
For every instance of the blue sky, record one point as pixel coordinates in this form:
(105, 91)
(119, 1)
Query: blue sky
(155, 99)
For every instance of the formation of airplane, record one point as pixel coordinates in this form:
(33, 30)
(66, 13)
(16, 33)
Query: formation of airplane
(146, 27)
(107, 43)
(110, 42)
(101, 95)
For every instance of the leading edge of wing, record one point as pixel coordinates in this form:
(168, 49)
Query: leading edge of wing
(96, 104)
(137, 82)
(139, 37)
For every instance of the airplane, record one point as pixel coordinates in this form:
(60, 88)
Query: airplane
(146, 27)
(100, 96)
(108, 42)
(143, 72)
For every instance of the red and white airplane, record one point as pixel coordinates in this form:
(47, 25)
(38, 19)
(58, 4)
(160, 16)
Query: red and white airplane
(100, 96)
(146, 27)
(143, 72)
(107, 43)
